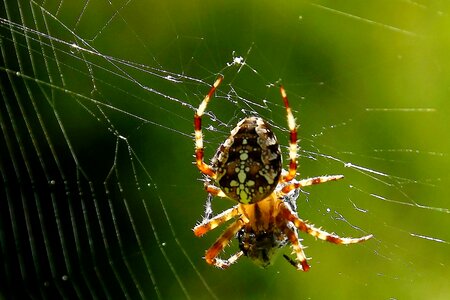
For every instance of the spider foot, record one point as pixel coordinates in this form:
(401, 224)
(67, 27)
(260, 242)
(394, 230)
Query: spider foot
(201, 229)
(224, 263)
(301, 265)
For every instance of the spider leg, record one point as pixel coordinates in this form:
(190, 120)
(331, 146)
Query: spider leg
(293, 148)
(294, 184)
(222, 241)
(300, 263)
(316, 232)
(214, 190)
(225, 263)
(199, 151)
(208, 207)
(208, 225)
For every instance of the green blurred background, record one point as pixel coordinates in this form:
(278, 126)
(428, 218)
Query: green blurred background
(369, 85)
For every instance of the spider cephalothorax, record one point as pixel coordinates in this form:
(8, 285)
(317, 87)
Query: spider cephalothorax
(247, 168)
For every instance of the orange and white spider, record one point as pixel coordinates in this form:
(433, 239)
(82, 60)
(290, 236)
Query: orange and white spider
(247, 168)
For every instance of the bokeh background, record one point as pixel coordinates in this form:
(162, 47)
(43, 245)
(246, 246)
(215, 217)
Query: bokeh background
(99, 194)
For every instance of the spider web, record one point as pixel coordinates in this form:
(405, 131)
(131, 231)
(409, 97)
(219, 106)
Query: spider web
(98, 191)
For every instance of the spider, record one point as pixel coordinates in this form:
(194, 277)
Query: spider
(247, 168)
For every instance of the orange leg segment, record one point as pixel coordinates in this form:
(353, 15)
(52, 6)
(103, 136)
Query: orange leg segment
(202, 166)
(293, 148)
(318, 233)
(222, 241)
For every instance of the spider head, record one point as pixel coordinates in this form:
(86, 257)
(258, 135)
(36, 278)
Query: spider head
(260, 246)
(249, 163)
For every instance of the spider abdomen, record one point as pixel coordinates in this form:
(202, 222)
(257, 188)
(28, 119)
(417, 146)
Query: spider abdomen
(248, 163)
